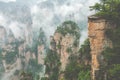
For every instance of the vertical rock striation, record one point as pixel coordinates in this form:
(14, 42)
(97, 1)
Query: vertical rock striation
(98, 42)
(65, 42)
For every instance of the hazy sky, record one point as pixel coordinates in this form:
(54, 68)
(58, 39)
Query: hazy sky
(47, 14)
(8, 0)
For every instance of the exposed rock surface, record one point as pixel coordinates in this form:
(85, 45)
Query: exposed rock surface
(98, 42)
(65, 42)
(18, 55)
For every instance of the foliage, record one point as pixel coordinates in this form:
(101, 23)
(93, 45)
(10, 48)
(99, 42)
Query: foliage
(85, 51)
(112, 55)
(76, 71)
(1, 56)
(52, 62)
(72, 69)
(41, 40)
(84, 75)
(114, 72)
(34, 67)
(69, 27)
(42, 37)
(44, 78)
(10, 57)
(114, 35)
(34, 47)
(26, 76)
(76, 43)
(108, 54)
(109, 9)
(58, 46)
(69, 50)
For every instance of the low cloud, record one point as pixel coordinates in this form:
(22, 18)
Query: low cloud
(55, 12)
(8, 0)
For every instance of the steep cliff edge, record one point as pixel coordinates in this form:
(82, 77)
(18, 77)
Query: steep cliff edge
(98, 42)
(17, 56)
(63, 44)
(66, 40)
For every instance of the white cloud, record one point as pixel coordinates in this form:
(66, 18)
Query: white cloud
(3, 21)
(8, 0)
(15, 27)
(50, 17)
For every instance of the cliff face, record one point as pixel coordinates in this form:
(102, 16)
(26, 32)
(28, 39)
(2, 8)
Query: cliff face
(65, 42)
(64, 47)
(98, 42)
(18, 55)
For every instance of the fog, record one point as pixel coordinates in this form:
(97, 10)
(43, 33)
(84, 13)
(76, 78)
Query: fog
(22, 15)
(47, 14)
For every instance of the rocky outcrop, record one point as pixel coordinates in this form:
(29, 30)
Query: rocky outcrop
(20, 54)
(41, 48)
(98, 42)
(65, 41)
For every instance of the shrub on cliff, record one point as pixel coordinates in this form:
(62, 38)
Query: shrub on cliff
(112, 55)
(85, 51)
(69, 27)
(109, 9)
(77, 69)
(52, 62)
(114, 72)
(10, 57)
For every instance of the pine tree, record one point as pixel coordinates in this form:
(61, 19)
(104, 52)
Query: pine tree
(109, 9)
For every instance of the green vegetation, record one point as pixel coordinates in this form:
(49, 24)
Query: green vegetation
(52, 62)
(26, 76)
(84, 74)
(10, 57)
(11, 54)
(72, 69)
(114, 72)
(34, 67)
(41, 40)
(77, 69)
(69, 27)
(112, 55)
(85, 51)
(42, 37)
(1, 56)
(58, 46)
(109, 9)
(69, 50)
